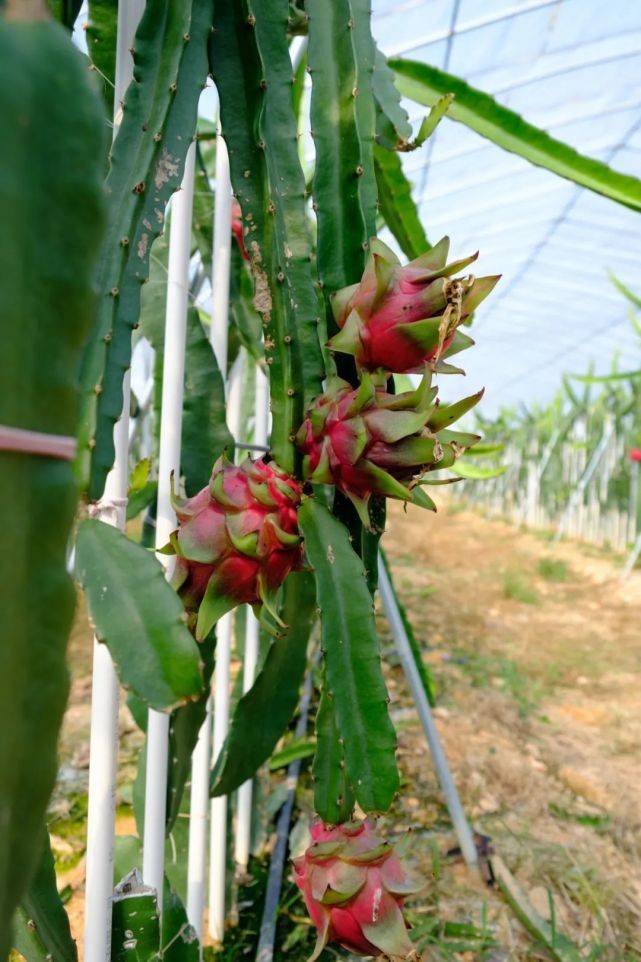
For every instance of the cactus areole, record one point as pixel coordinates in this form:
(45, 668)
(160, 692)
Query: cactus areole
(237, 540)
(354, 884)
(398, 318)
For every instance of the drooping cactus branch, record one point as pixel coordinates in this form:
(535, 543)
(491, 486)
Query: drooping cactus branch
(252, 69)
(146, 166)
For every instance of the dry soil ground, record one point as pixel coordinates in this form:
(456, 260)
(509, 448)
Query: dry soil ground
(535, 651)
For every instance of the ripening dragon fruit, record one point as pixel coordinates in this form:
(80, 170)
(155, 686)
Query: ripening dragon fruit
(237, 540)
(237, 228)
(366, 441)
(398, 318)
(354, 884)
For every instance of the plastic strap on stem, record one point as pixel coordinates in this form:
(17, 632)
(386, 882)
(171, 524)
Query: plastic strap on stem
(37, 442)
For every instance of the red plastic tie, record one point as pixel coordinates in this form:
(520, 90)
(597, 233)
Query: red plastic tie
(37, 442)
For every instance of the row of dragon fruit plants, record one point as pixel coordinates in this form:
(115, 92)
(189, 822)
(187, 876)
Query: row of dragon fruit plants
(571, 466)
(321, 305)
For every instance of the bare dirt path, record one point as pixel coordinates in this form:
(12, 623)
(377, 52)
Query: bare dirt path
(536, 653)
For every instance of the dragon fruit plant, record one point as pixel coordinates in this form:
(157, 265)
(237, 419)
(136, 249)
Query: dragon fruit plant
(354, 884)
(236, 541)
(366, 441)
(397, 318)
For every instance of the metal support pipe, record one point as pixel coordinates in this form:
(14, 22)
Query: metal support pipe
(459, 820)
(265, 949)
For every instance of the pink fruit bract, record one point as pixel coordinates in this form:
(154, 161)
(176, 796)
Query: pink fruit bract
(237, 539)
(401, 317)
(366, 441)
(354, 884)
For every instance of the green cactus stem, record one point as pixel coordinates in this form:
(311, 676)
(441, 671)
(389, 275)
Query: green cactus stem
(354, 681)
(252, 69)
(146, 165)
(53, 212)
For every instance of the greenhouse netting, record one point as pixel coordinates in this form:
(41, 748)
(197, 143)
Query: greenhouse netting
(572, 67)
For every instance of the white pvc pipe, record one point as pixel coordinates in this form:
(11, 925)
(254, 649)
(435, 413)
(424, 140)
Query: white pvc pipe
(218, 811)
(198, 814)
(224, 638)
(168, 462)
(235, 393)
(406, 657)
(201, 758)
(103, 743)
(221, 255)
(244, 800)
(200, 764)
(261, 422)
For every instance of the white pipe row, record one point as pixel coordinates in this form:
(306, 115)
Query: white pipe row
(105, 699)
(588, 514)
(168, 463)
(201, 758)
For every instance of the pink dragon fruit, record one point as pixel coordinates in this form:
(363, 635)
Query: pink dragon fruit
(237, 228)
(354, 884)
(398, 318)
(366, 441)
(237, 540)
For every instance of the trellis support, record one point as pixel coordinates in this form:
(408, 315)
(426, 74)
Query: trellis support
(401, 642)
(168, 463)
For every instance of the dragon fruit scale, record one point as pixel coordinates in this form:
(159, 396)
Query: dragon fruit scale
(354, 884)
(366, 441)
(236, 541)
(397, 318)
